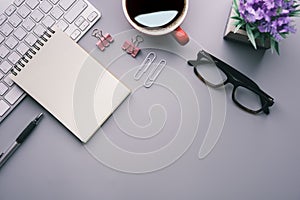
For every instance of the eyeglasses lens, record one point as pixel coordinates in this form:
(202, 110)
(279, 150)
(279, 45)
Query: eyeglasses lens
(247, 98)
(210, 73)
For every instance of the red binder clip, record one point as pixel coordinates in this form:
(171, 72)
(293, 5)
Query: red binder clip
(103, 40)
(132, 47)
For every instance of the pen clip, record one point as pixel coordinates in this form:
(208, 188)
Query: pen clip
(38, 118)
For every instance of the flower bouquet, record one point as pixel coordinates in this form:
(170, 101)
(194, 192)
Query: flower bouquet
(264, 22)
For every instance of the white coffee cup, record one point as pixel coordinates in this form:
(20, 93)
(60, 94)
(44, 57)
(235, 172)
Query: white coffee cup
(173, 27)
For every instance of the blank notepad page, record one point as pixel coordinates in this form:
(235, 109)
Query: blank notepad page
(71, 85)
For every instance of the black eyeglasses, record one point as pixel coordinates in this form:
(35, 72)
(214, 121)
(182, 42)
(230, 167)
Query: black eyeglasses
(246, 93)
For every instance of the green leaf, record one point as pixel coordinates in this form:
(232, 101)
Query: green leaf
(236, 12)
(236, 23)
(238, 26)
(253, 27)
(237, 18)
(295, 13)
(257, 34)
(274, 46)
(284, 35)
(250, 35)
(236, 7)
(235, 4)
(277, 48)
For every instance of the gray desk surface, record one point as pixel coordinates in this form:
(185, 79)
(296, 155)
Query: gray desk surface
(256, 157)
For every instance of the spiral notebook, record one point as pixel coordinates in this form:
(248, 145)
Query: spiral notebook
(74, 87)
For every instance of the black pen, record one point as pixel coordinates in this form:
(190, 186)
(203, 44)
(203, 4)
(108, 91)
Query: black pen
(21, 138)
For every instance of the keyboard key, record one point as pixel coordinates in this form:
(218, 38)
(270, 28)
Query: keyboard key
(37, 15)
(22, 48)
(39, 30)
(14, 94)
(75, 11)
(66, 4)
(2, 19)
(15, 20)
(48, 21)
(31, 39)
(45, 6)
(57, 12)
(14, 57)
(11, 42)
(3, 51)
(18, 2)
(28, 24)
(4, 107)
(79, 21)
(5, 66)
(62, 25)
(32, 3)
(75, 34)
(54, 1)
(10, 10)
(3, 88)
(8, 81)
(24, 11)
(20, 33)
(6, 29)
(1, 38)
(84, 25)
(92, 16)
(1, 74)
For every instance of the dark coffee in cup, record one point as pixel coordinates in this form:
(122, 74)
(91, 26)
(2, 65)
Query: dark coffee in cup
(153, 14)
(157, 17)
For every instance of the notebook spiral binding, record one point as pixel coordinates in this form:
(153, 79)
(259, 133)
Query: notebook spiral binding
(32, 51)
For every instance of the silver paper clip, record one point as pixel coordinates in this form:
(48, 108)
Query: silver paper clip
(145, 65)
(155, 73)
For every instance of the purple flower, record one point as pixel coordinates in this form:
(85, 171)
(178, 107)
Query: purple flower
(269, 4)
(264, 27)
(269, 16)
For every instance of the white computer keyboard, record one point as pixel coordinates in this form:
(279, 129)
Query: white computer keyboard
(21, 24)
